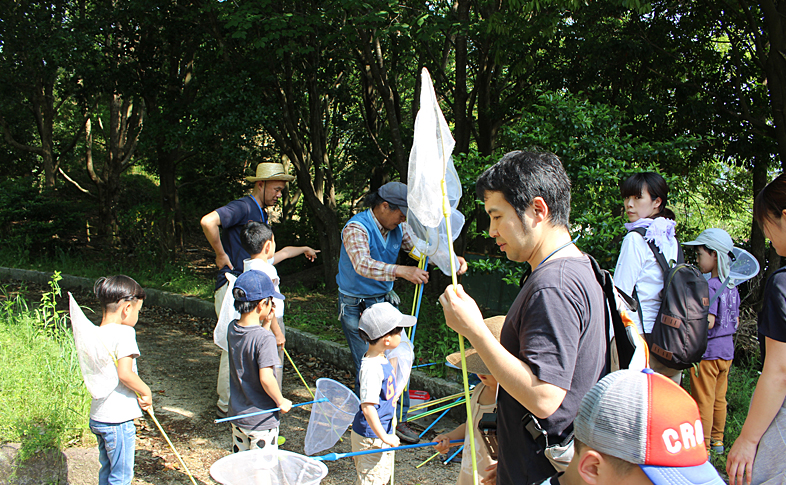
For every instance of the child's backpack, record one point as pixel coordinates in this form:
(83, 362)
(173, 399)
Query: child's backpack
(679, 335)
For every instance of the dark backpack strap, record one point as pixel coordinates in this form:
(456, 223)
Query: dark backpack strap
(720, 290)
(659, 257)
(625, 349)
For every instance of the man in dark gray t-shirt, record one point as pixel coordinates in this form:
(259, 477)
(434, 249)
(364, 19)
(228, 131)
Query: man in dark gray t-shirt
(552, 349)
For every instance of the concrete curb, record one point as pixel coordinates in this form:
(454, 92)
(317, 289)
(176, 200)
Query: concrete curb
(335, 354)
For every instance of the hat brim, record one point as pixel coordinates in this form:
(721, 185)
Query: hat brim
(284, 178)
(475, 364)
(704, 474)
(407, 321)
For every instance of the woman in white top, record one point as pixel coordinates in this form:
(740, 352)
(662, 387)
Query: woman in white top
(637, 271)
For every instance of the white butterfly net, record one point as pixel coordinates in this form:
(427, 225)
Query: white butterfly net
(98, 366)
(268, 467)
(226, 315)
(330, 419)
(429, 163)
(744, 267)
(401, 358)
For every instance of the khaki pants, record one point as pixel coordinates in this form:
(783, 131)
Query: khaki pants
(709, 391)
(373, 469)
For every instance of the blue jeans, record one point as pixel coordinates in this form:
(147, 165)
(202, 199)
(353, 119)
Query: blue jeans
(349, 314)
(116, 451)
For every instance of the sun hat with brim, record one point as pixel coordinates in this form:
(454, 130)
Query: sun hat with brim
(719, 241)
(270, 171)
(475, 364)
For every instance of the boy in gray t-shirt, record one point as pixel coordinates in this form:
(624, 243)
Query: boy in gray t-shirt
(252, 360)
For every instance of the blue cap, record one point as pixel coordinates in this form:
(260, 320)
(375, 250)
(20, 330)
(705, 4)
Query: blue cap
(255, 285)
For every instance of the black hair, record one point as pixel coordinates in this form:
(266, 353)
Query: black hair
(373, 199)
(655, 185)
(621, 467)
(254, 235)
(364, 336)
(770, 202)
(523, 175)
(244, 307)
(114, 289)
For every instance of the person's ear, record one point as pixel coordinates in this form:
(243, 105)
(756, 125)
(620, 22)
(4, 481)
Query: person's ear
(540, 209)
(659, 204)
(267, 245)
(590, 466)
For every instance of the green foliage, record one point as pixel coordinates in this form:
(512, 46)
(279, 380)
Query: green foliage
(590, 140)
(44, 399)
(36, 223)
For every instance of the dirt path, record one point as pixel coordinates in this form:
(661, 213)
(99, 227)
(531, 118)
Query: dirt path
(180, 362)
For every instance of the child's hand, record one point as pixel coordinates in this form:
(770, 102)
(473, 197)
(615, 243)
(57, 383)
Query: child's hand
(145, 401)
(280, 341)
(285, 405)
(444, 443)
(392, 440)
(310, 254)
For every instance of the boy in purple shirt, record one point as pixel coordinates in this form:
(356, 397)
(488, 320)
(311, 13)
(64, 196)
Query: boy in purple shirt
(708, 384)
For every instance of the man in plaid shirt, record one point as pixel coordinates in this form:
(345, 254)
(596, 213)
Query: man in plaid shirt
(367, 269)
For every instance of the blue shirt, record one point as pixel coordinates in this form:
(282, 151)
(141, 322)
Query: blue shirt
(376, 373)
(234, 216)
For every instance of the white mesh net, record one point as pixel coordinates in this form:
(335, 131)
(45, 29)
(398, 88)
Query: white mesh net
(401, 359)
(429, 163)
(227, 314)
(268, 467)
(98, 367)
(330, 419)
(744, 267)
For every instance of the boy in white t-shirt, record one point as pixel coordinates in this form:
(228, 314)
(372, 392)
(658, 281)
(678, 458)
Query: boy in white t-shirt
(257, 238)
(112, 418)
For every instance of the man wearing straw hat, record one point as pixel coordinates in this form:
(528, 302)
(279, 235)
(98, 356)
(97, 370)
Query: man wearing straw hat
(552, 347)
(269, 184)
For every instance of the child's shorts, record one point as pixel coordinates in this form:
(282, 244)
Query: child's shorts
(375, 468)
(248, 439)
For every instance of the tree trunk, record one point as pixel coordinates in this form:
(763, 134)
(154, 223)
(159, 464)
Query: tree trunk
(125, 125)
(172, 219)
(775, 69)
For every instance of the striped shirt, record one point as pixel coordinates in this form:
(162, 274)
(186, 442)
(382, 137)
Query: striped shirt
(356, 243)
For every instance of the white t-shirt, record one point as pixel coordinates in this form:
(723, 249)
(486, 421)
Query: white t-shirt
(121, 405)
(270, 270)
(371, 377)
(637, 268)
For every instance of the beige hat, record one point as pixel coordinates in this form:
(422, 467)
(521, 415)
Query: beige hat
(475, 364)
(270, 171)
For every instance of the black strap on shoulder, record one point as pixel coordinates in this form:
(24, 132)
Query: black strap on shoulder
(625, 349)
(659, 257)
(720, 290)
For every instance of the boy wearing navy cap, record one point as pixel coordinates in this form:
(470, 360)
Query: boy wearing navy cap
(253, 356)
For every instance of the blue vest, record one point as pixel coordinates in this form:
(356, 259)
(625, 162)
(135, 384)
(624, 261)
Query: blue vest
(386, 250)
(385, 408)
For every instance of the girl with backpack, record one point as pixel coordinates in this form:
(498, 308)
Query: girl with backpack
(757, 454)
(637, 273)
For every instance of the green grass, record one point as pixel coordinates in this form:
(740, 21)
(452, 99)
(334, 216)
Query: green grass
(43, 399)
(168, 275)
